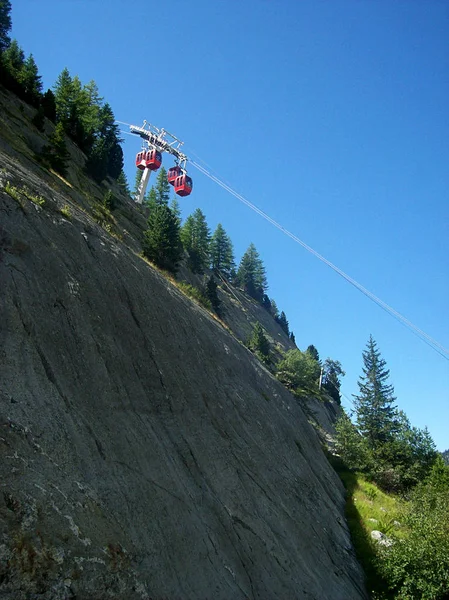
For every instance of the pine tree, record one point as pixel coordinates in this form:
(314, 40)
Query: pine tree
(375, 409)
(49, 105)
(13, 59)
(313, 352)
(259, 343)
(299, 371)
(30, 80)
(212, 295)
(292, 337)
(176, 209)
(162, 187)
(274, 309)
(123, 183)
(332, 372)
(162, 244)
(195, 237)
(282, 321)
(5, 24)
(55, 152)
(222, 252)
(63, 92)
(251, 274)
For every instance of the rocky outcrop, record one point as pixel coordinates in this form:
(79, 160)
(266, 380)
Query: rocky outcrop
(144, 452)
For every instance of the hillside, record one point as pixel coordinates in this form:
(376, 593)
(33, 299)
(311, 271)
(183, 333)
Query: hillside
(145, 452)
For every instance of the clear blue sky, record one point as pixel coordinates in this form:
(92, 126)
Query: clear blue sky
(330, 115)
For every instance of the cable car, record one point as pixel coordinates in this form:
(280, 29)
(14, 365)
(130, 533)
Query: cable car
(153, 159)
(173, 173)
(183, 185)
(140, 160)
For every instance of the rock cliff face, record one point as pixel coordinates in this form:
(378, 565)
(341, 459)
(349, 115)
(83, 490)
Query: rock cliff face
(144, 452)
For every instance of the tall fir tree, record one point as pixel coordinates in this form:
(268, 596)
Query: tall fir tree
(251, 274)
(63, 93)
(49, 105)
(376, 414)
(222, 252)
(5, 24)
(162, 244)
(30, 80)
(195, 237)
(212, 294)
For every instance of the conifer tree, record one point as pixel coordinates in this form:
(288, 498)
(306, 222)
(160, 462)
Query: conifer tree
(63, 92)
(13, 59)
(375, 410)
(292, 337)
(212, 295)
(195, 237)
(55, 152)
(5, 24)
(123, 183)
(251, 274)
(176, 209)
(49, 105)
(274, 309)
(332, 372)
(222, 252)
(30, 80)
(282, 320)
(162, 244)
(259, 343)
(313, 353)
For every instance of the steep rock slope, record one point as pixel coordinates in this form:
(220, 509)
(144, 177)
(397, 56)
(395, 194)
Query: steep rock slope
(144, 452)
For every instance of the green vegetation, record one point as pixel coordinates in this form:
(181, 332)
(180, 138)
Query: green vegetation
(195, 237)
(299, 372)
(251, 276)
(66, 211)
(397, 484)
(194, 293)
(162, 243)
(222, 253)
(259, 344)
(13, 191)
(55, 153)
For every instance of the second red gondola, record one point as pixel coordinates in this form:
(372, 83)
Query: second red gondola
(183, 185)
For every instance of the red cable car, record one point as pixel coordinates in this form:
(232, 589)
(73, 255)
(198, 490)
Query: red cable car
(183, 185)
(153, 159)
(173, 173)
(140, 160)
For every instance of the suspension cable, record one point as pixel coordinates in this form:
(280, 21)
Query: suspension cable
(434, 344)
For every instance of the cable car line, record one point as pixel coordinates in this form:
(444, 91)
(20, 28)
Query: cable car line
(434, 344)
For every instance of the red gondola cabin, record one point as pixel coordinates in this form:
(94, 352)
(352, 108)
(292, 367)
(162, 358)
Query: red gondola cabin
(149, 159)
(140, 160)
(183, 185)
(172, 174)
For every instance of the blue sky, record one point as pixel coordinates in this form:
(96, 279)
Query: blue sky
(331, 116)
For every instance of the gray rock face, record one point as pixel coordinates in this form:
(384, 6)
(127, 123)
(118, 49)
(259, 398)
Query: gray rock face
(144, 452)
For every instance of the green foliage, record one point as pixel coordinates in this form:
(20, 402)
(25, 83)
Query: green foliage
(122, 183)
(212, 295)
(5, 24)
(313, 352)
(445, 456)
(48, 105)
(55, 153)
(30, 80)
(282, 321)
(222, 252)
(375, 411)
(251, 274)
(12, 191)
(195, 237)
(351, 446)
(109, 200)
(20, 75)
(332, 372)
(417, 565)
(299, 372)
(259, 344)
(162, 244)
(66, 211)
(39, 119)
(195, 293)
(292, 337)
